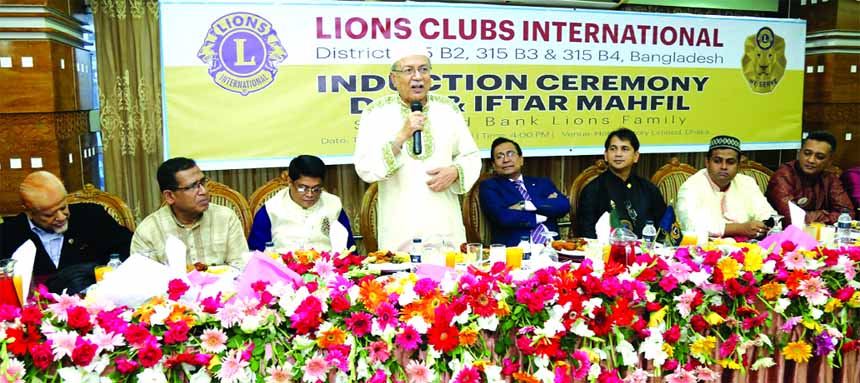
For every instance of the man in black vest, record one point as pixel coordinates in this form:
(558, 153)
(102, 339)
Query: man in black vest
(67, 249)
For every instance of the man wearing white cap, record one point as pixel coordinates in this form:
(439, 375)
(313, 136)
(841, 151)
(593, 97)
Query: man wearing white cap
(418, 148)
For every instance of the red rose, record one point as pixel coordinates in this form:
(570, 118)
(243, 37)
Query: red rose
(137, 335)
(79, 319)
(84, 352)
(149, 355)
(788, 246)
(31, 316)
(699, 324)
(41, 355)
(340, 304)
(672, 335)
(175, 289)
(125, 366)
(176, 333)
(670, 365)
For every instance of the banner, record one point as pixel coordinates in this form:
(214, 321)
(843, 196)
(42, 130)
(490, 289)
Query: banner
(255, 84)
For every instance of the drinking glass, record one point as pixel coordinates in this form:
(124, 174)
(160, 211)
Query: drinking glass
(514, 257)
(474, 253)
(8, 293)
(497, 252)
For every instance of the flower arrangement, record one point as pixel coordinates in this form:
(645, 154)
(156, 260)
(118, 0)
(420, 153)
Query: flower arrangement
(682, 318)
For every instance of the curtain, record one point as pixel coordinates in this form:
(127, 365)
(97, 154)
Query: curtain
(129, 77)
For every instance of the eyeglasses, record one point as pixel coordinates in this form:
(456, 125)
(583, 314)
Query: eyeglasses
(510, 154)
(304, 189)
(195, 186)
(410, 71)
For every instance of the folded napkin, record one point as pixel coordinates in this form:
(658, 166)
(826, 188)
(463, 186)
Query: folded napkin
(175, 251)
(602, 228)
(798, 215)
(134, 282)
(338, 236)
(24, 258)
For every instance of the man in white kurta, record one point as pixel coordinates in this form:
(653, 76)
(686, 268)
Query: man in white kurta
(720, 201)
(418, 193)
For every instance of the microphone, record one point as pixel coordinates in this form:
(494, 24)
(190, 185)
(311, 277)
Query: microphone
(416, 137)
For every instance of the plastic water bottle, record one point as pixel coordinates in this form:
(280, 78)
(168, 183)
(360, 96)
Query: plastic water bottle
(526, 245)
(270, 248)
(649, 233)
(843, 228)
(416, 250)
(114, 262)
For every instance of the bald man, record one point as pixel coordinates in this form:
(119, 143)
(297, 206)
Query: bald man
(69, 239)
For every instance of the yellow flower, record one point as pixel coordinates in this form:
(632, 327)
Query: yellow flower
(668, 349)
(703, 346)
(730, 267)
(854, 302)
(798, 351)
(215, 361)
(812, 325)
(593, 357)
(730, 364)
(753, 260)
(832, 305)
(714, 319)
(657, 317)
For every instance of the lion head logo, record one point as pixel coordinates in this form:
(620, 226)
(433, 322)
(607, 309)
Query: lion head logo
(242, 51)
(764, 60)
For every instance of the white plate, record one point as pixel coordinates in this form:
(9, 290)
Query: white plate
(572, 253)
(390, 266)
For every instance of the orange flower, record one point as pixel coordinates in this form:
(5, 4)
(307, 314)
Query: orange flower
(525, 378)
(371, 294)
(331, 337)
(468, 337)
(305, 256)
(771, 291)
(799, 351)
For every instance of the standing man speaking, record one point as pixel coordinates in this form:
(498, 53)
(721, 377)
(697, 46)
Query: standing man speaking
(418, 148)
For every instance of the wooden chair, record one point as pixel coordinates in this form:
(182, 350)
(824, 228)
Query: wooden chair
(114, 205)
(222, 195)
(587, 175)
(367, 218)
(267, 191)
(477, 229)
(760, 173)
(670, 177)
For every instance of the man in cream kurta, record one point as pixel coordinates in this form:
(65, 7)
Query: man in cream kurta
(418, 193)
(719, 200)
(212, 234)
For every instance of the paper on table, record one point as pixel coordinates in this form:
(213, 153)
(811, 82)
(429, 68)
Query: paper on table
(602, 228)
(135, 281)
(338, 236)
(24, 258)
(798, 215)
(262, 267)
(175, 250)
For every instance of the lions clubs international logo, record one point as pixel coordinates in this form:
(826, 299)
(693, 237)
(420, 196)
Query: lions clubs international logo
(243, 52)
(764, 60)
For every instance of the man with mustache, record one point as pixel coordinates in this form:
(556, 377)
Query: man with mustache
(64, 245)
(418, 190)
(636, 199)
(212, 233)
(808, 183)
(720, 200)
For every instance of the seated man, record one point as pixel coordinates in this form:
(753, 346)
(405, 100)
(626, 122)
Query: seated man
(720, 200)
(807, 182)
(851, 181)
(70, 239)
(301, 214)
(212, 234)
(636, 199)
(519, 206)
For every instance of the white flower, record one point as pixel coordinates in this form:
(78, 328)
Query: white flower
(251, 323)
(699, 277)
(628, 353)
(580, 328)
(815, 313)
(486, 323)
(105, 341)
(463, 317)
(765, 362)
(290, 302)
(79, 375)
(768, 267)
(593, 371)
(781, 305)
(151, 375)
(201, 376)
(652, 348)
(159, 314)
(422, 326)
(589, 306)
(408, 296)
(544, 374)
(448, 283)
(494, 374)
(62, 343)
(362, 371)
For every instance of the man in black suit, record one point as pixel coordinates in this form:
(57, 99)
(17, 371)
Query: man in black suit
(67, 249)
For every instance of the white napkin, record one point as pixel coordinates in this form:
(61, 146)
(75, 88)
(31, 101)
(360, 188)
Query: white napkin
(798, 215)
(135, 281)
(175, 251)
(602, 228)
(24, 258)
(338, 236)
